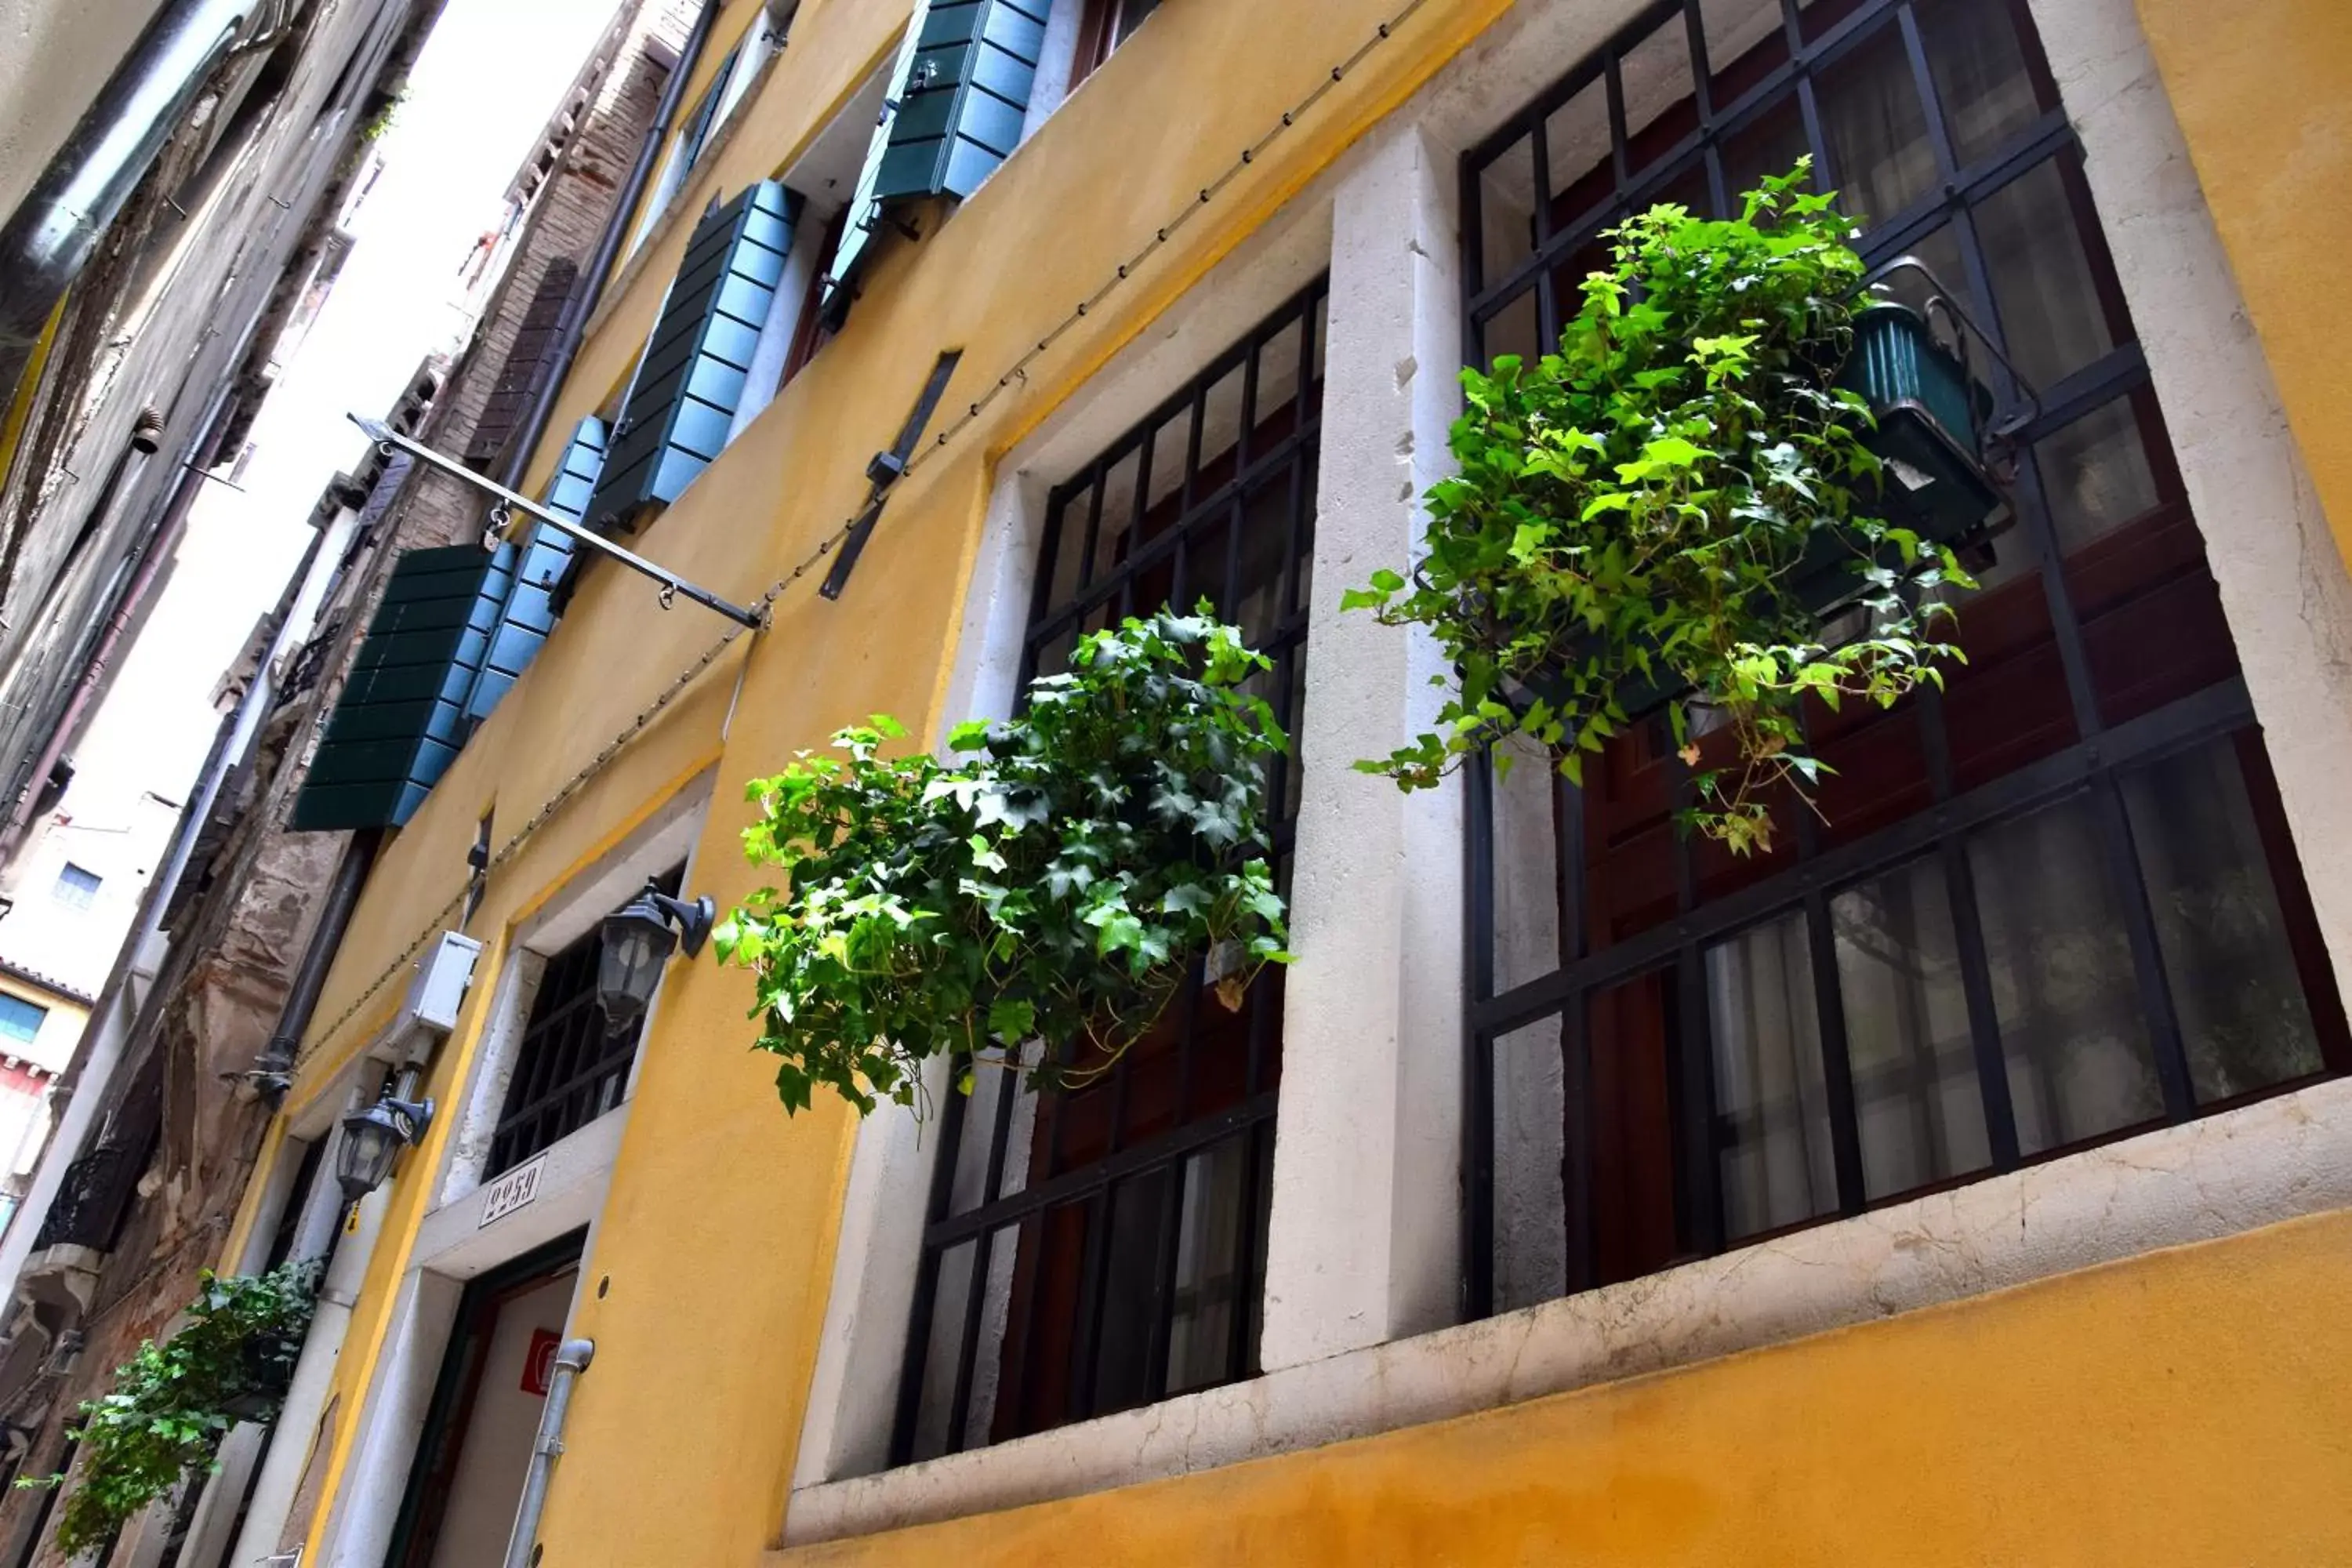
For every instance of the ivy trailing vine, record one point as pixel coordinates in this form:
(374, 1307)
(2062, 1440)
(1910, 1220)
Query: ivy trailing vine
(171, 1403)
(1057, 883)
(1660, 510)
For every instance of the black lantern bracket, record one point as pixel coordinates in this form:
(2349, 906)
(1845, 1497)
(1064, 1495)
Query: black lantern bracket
(507, 502)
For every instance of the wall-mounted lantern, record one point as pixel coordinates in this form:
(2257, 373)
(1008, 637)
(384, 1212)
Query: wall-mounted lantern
(638, 940)
(372, 1140)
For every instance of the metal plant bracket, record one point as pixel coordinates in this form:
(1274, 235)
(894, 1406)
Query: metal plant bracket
(506, 503)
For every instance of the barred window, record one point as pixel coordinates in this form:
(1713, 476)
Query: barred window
(2056, 904)
(570, 1066)
(1093, 1250)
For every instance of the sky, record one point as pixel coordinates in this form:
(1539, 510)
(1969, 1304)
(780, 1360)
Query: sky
(481, 89)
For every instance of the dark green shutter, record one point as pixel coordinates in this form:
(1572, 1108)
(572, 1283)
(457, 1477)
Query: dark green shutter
(530, 571)
(682, 401)
(960, 94)
(698, 125)
(975, 63)
(402, 712)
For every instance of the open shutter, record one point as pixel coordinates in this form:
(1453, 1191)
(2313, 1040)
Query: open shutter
(532, 571)
(705, 117)
(683, 399)
(401, 715)
(958, 95)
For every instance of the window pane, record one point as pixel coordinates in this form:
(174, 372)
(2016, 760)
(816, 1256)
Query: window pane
(1513, 330)
(950, 1297)
(77, 888)
(1771, 1110)
(1630, 1113)
(1656, 78)
(1130, 1288)
(2051, 316)
(1506, 211)
(2095, 474)
(1768, 144)
(1530, 1211)
(1208, 1273)
(19, 1019)
(2226, 954)
(1744, 38)
(1906, 1031)
(1979, 61)
(1576, 154)
(1880, 154)
(2064, 984)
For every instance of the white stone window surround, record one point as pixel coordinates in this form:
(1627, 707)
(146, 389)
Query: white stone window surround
(825, 174)
(664, 839)
(452, 1243)
(2268, 545)
(1363, 1238)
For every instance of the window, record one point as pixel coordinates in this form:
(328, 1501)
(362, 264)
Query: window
(77, 888)
(2054, 904)
(570, 1068)
(20, 1020)
(1103, 26)
(1094, 1250)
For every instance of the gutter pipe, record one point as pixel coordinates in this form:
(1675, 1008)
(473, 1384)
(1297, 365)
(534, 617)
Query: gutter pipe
(49, 238)
(571, 1359)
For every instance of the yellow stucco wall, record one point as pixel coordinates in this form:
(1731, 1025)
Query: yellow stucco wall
(2186, 1408)
(2264, 97)
(706, 1289)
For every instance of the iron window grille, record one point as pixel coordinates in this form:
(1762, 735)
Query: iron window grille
(570, 1068)
(2054, 905)
(1094, 1250)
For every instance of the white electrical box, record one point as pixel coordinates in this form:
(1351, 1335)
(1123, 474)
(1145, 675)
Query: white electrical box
(437, 989)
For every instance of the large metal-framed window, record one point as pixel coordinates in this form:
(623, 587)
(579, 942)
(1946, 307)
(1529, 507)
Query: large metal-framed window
(570, 1068)
(1094, 1250)
(2056, 904)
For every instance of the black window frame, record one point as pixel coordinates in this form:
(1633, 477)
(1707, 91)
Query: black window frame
(1057, 618)
(1817, 36)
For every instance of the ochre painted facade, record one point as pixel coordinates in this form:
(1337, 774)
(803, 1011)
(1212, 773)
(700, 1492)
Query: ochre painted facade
(1934, 1440)
(2166, 1410)
(2265, 99)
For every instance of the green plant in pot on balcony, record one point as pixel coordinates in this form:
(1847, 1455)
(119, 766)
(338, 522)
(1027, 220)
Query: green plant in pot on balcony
(1057, 880)
(1662, 510)
(230, 1362)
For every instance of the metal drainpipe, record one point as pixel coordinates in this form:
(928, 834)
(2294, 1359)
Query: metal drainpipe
(571, 326)
(326, 938)
(571, 1359)
(50, 238)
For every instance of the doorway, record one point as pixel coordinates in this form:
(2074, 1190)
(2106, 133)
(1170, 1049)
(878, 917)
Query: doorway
(471, 1460)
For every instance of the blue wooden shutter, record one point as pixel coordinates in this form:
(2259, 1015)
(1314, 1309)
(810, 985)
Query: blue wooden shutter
(401, 715)
(960, 94)
(531, 570)
(683, 399)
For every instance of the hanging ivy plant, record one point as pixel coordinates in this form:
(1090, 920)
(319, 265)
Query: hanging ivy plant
(1653, 512)
(171, 1402)
(1058, 882)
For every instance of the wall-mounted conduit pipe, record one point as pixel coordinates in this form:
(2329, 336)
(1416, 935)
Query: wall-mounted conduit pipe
(49, 238)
